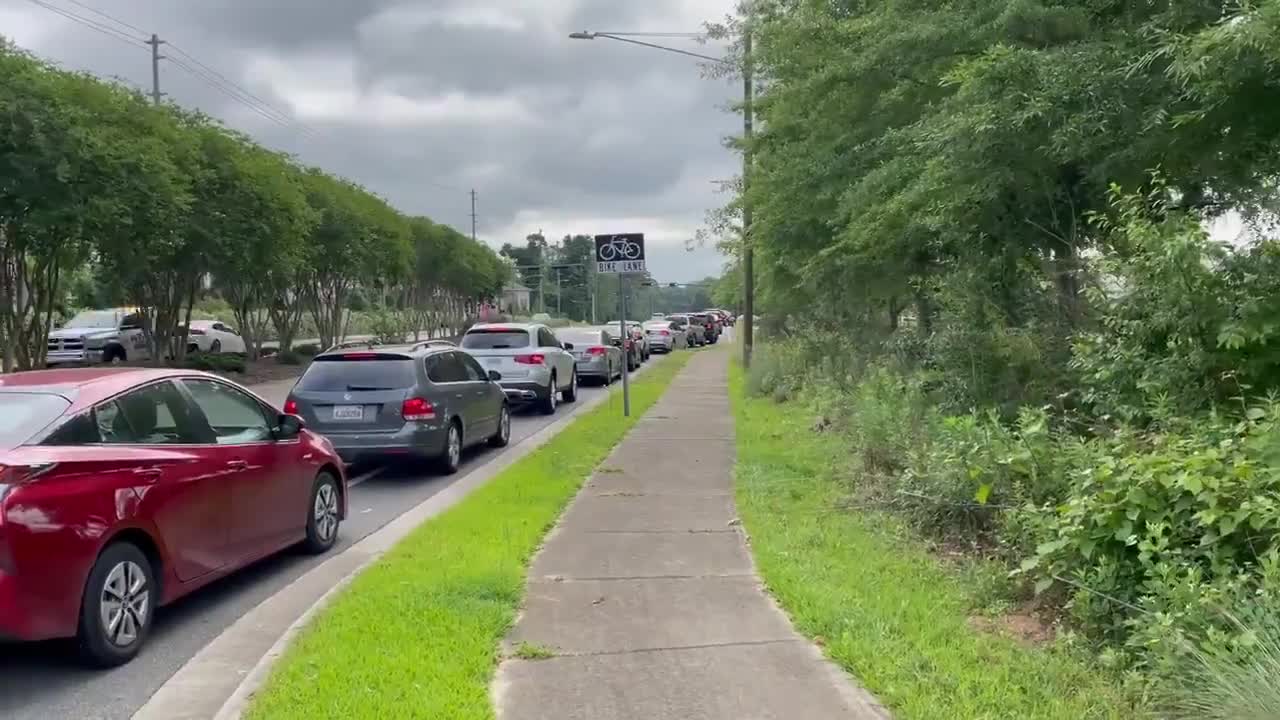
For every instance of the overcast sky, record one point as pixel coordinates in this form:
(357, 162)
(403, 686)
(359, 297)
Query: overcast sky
(422, 100)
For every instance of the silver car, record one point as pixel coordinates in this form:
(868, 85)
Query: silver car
(385, 402)
(695, 333)
(665, 336)
(535, 366)
(598, 357)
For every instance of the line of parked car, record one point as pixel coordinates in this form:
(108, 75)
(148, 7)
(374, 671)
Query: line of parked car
(124, 489)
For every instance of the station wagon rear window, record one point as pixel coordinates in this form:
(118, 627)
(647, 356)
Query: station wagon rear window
(24, 414)
(580, 337)
(495, 339)
(358, 373)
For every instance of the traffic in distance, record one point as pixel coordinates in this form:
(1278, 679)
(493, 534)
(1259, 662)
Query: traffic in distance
(123, 489)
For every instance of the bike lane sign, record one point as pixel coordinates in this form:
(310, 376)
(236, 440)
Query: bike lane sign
(620, 254)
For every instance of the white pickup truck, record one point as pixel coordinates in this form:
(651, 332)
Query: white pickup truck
(99, 336)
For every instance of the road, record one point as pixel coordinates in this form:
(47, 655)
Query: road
(44, 682)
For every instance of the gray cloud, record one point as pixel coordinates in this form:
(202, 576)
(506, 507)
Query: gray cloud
(409, 96)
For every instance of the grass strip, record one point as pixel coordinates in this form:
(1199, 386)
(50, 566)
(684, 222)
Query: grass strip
(879, 605)
(416, 635)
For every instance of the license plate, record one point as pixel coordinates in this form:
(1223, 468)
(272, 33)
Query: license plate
(493, 361)
(348, 412)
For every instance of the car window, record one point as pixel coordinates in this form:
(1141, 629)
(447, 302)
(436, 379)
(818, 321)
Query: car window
(445, 368)
(79, 430)
(236, 418)
(339, 373)
(24, 414)
(547, 339)
(475, 373)
(132, 321)
(495, 339)
(580, 337)
(154, 415)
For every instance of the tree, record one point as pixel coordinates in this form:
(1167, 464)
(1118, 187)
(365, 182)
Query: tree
(357, 237)
(253, 216)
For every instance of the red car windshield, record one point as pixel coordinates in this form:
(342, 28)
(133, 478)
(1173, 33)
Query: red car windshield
(25, 414)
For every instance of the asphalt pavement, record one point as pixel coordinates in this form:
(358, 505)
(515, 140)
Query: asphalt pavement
(44, 681)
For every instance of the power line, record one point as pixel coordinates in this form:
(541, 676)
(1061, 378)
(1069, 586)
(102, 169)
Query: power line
(112, 18)
(264, 111)
(91, 24)
(212, 76)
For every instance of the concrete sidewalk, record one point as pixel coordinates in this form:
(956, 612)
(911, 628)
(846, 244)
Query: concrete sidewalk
(647, 595)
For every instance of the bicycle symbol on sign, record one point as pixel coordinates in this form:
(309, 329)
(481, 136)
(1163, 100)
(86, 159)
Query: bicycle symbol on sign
(620, 248)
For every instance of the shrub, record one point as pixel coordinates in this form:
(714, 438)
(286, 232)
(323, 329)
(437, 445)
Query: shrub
(1161, 534)
(289, 358)
(215, 363)
(390, 326)
(307, 350)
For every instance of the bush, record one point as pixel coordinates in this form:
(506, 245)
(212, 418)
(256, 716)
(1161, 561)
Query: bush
(307, 350)
(390, 326)
(215, 363)
(1162, 534)
(289, 358)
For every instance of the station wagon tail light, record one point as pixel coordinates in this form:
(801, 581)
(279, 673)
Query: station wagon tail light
(418, 410)
(664, 333)
(359, 356)
(596, 351)
(290, 407)
(535, 359)
(195, 331)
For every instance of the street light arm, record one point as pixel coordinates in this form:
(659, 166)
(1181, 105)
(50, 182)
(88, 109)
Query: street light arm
(593, 35)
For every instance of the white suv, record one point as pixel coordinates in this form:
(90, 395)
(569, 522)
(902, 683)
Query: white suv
(534, 365)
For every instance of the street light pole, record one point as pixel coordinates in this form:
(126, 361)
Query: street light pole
(748, 129)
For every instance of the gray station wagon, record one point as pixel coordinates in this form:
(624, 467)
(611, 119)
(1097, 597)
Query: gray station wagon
(423, 400)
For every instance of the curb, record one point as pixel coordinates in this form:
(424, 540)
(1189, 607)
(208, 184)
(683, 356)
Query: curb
(219, 681)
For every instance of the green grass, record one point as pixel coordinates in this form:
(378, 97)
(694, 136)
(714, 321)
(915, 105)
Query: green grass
(417, 634)
(879, 605)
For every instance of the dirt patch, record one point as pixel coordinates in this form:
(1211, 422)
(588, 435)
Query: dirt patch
(264, 371)
(1023, 625)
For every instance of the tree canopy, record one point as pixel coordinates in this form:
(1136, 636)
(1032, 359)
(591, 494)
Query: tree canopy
(157, 199)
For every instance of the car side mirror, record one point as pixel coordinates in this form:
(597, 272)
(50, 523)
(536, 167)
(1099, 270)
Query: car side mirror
(288, 427)
(495, 376)
(616, 342)
(568, 346)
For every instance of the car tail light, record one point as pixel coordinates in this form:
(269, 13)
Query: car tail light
(417, 410)
(359, 356)
(664, 333)
(596, 351)
(535, 359)
(195, 332)
(290, 407)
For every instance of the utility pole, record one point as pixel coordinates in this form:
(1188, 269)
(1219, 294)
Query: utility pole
(559, 310)
(748, 261)
(155, 42)
(473, 214)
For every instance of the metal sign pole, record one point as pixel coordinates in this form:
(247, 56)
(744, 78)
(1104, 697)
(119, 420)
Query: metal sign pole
(626, 354)
(621, 254)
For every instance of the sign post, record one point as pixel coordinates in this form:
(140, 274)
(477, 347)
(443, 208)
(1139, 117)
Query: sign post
(620, 255)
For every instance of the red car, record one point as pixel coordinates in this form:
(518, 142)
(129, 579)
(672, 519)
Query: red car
(125, 489)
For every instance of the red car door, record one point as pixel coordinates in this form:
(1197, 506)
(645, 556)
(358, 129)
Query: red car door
(186, 496)
(269, 485)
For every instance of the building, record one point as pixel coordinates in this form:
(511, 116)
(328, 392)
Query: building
(516, 299)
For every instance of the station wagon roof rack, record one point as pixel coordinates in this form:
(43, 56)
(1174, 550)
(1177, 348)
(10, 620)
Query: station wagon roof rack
(432, 343)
